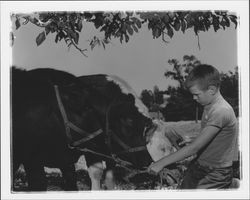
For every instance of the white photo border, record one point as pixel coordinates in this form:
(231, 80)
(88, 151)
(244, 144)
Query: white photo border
(239, 7)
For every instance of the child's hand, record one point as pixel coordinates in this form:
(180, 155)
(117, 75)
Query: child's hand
(187, 140)
(155, 167)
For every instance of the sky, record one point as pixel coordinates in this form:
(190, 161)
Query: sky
(141, 62)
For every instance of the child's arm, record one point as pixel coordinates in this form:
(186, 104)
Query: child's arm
(206, 135)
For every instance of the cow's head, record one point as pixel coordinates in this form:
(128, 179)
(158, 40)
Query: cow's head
(124, 117)
(129, 127)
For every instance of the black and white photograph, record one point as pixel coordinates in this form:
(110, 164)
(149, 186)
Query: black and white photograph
(125, 99)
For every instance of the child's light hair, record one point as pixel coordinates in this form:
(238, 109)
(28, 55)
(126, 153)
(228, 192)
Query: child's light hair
(203, 76)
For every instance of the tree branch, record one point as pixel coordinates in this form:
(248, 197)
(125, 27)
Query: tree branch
(163, 38)
(198, 41)
(75, 45)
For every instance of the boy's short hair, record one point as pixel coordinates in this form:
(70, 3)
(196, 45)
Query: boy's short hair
(204, 76)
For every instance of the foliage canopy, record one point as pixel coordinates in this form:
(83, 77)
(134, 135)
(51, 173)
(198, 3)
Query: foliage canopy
(122, 25)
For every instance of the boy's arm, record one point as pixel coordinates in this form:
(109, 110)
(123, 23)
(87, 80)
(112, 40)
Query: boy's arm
(206, 135)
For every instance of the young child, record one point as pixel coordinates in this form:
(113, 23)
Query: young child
(216, 145)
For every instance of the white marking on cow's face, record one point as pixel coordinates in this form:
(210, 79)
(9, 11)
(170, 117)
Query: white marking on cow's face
(159, 145)
(127, 89)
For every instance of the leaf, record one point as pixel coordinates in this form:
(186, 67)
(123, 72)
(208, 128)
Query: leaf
(69, 45)
(138, 23)
(12, 38)
(57, 37)
(92, 46)
(17, 23)
(47, 29)
(40, 38)
(123, 28)
(223, 24)
(170, 32)
(143, 15)
(129, 13)
(130, 30)
(103, 44)
(227, 22)
(118, 34)
(133, 19)
(135, 29)
(149, 25)
(207, 24)
(106, 41)
(98, 41)
(87, 15)
(33, 20)
(234, 20)
(97, 23)
(156, 32)
(79, 25)
(216, 27)
(76, 37)
(189, 21)
(201, 27)
(166, 19)
(121, 38)
(218, 12)
(126, 38)
(177, 25)
(61, 35)
(183, 26)
(196, 30)
(216, 23)
(104, 28)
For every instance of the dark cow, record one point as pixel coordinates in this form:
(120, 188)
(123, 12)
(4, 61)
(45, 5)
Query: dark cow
(107, 113)
(39, 136)
(57, 117)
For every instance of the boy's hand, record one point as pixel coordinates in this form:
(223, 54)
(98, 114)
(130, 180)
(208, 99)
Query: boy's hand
(187, 140)
(155, 167)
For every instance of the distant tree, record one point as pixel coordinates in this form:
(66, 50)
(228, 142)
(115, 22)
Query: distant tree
(152, 99)
(230, 88)
(179, 71)
(67, 26)
(147, 97)
(158, 95)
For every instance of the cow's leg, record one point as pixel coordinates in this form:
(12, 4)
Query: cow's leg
(95, 174)
(109, 180)
(36, 177)
(69, 175)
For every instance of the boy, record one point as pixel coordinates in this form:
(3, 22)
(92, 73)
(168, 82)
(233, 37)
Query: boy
(216, 145)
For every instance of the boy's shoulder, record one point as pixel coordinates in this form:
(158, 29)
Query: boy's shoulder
(221, 109)
(220, 104)
(219, 114)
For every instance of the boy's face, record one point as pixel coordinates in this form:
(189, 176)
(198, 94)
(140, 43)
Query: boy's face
(203, 97)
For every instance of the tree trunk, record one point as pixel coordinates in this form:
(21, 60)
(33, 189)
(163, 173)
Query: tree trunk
(196, 113)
